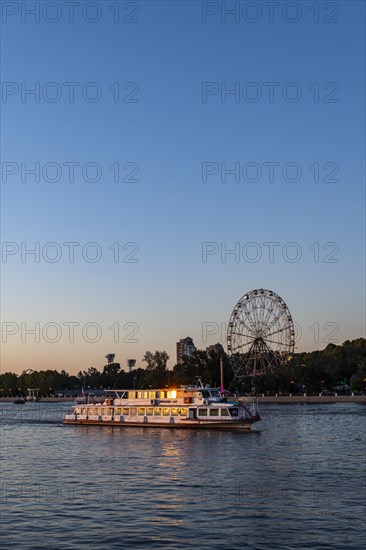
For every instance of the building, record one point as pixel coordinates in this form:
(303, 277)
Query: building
(217, 348)
(185, 347)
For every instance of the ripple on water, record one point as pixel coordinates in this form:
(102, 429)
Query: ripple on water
(297, 483)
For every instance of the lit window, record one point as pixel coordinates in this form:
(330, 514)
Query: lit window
(118, 411)
(141, 411)
(157, 411)
(166, 411)
(149, 411)
(172, 394)
(126, 411)
(183, 412)
(174, 411)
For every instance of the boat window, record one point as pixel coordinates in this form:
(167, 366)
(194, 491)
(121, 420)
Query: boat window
(145, 394)
(166, 411)
(141, 411)
(174, 411)
(99, 411)
(183, 412)
(126, 411)
(83, 411)
(157, 411)
(202, 412)
(110, 412)
(234, 412)
(205, 394)
(215, 393)
(151, 395)
(214, 412)
(224, 412)
(172, 394)
(139, 394)
(118, 410)
(157, 395)
(149, 411)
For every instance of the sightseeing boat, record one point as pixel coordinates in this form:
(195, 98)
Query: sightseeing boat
(186, 407)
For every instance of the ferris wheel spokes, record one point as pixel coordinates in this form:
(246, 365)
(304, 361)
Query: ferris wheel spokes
(260, 333)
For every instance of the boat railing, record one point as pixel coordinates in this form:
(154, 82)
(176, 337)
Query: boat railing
(250, 404)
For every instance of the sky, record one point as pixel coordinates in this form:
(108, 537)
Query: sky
(141, 142)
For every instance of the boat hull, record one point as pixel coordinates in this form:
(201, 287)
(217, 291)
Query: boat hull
(183, 424)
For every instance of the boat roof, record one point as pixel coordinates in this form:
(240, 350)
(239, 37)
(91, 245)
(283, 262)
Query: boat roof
(185, 388)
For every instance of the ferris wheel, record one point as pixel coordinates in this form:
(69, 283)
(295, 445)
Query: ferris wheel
(261, 334)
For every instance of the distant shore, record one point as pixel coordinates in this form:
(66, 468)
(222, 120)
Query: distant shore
(313, 399)
(261, 399)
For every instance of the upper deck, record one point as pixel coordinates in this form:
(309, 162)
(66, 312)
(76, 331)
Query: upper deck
(186, 395)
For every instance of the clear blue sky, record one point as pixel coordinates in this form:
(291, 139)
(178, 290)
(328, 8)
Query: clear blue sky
(169, 132)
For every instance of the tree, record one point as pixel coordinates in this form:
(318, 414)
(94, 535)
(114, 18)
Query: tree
(110, 375)
(156, 373)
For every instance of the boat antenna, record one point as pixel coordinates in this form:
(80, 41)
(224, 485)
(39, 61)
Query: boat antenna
(199, 381)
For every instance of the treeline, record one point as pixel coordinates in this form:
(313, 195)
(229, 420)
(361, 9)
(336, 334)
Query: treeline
(336, 368)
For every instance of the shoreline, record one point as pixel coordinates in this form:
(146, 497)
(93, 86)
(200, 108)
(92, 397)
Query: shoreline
(313, 399)
(261, 399)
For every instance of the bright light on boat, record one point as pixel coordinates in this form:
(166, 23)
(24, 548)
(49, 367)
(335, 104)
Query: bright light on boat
(172, 394)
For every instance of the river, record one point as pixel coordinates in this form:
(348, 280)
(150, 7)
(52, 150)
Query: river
(296, 481)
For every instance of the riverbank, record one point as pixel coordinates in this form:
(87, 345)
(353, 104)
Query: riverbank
(313, 399)
(261, 399)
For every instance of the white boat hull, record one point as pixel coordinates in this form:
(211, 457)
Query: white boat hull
(195, 424)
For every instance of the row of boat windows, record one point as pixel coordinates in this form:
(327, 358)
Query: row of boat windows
(139, 411)
(161, 394)
(169, 394)
(213, 412)
(154, 411)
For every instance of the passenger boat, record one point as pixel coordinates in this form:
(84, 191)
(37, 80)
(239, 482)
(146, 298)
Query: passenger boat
(186, 407)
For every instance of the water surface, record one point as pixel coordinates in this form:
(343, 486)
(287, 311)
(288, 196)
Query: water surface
(297, 482)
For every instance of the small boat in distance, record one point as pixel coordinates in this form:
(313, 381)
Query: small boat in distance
(19, 401)
(186, 407)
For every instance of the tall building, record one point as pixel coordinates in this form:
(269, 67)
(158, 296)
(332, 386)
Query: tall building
(185, 346)
(217, 348)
